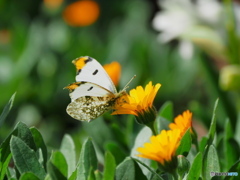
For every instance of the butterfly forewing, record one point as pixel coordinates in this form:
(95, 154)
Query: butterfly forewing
(80, 89)
(90, 70)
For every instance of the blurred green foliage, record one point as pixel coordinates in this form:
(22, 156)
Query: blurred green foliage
(36, 55)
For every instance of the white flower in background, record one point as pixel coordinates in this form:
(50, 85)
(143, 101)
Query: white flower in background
(186, 20)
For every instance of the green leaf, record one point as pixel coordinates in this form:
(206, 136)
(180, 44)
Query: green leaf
(20, 130)
(73, 175)
(25, 158)
(99, 175)
(25, 134)
(54, 172)
(142, 137)
(196, 168)
(87, 160)
(166, 111)
(161, 124)
(116, 150)
(4, 165)
(212, 129)
(68, 150)
(109, 167)
(185, 144)
(203, 144)
(235, 169)
(237, 129)
(155, 175)
(29, 176)
(5, 148)
(210, 162)
(7, 109)
(100, 132)
(231, 148)
(119, 134)
(48, 177)
(130, 170)
(40, 144)
(59, 165)
(91, 175)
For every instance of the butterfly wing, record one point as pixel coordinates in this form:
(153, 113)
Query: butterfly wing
(90, 70)
(87, 108)
(81, 89)
(88, 100)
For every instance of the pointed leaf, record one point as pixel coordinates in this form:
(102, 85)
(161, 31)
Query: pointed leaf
(130, 170)
(54, 172)
(99, 175)
(235, 169)
(142, 137)
(161, 124)
(196, 168)
(73, 175)
(154, 174)
(20, 130)
(203, 144)
(91, 175)
(185, 144)
(87, 160)
(99, 131)
(237, 129)
(25, 134)
(210, 162)
(29, 176)
(7, 109)
(231, 148)
(40, 144)
(25, 159)
(212, 129)
(4, 165)
(68, 150)
(109, 167)
(59, 162)
(116, 150)
(166, 111)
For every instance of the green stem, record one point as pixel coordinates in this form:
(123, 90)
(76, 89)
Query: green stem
(175, 175)
(152, 127)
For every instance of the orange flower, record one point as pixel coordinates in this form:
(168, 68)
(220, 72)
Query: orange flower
(182, 122)
(162, 148)
(114, 71)
(138, 100)
(81, 13)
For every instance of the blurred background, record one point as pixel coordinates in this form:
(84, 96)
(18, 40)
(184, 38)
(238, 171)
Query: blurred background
(191, 47)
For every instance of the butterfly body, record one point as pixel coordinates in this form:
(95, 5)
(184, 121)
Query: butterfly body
(94, 92)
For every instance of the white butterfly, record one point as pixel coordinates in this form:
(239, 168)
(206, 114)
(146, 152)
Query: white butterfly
(94, 92)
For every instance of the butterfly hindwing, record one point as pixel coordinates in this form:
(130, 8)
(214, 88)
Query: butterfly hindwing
(80, 89)
(90, 70)
(87, 108)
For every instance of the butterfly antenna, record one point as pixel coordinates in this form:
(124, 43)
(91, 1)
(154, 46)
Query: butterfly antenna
(126, 86)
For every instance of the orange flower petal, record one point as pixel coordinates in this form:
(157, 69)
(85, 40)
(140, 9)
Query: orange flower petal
(114, 71)
(81, 13)
(182, 122)
(162, 147)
